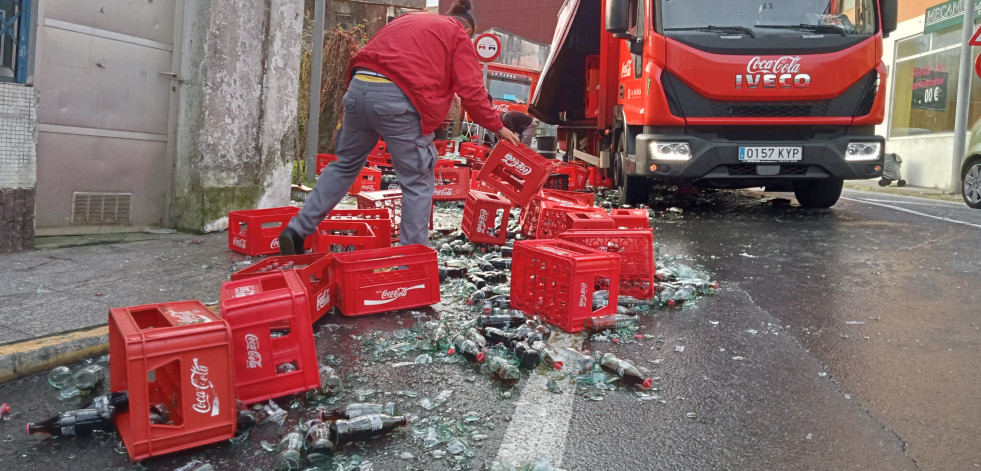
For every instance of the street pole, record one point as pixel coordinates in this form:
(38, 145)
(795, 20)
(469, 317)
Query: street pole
(963, 96)
(316, 70)
(486, 87)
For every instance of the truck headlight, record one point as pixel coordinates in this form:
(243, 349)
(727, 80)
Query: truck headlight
(863, 151)
(670, 151)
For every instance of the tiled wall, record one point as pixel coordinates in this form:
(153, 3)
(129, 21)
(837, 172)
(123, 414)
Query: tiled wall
(18, 166)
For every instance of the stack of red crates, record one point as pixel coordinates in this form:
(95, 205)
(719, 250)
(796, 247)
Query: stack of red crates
(379, 280)
(532, 213)
(256, 231)
(379, 155)
(591, 219)
(480, 213)
(368, 180)
(578, 175)
(636, 250)
(452, 183)
(178, 354)
(515, 171)
(272, 336)
(553, 219)
(556, 279)
(314, 272)
(390, 201)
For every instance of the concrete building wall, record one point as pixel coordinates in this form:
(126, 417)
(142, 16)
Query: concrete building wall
(237, 114)
(18, 166)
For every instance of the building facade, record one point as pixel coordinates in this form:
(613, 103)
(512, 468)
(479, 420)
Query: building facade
(534, 21)
(923, 57)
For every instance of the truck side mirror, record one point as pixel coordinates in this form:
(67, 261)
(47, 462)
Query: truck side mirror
(617, 18)
(887, 10)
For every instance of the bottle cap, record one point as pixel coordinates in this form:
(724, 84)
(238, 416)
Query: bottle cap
(557, 365)
(481, 357)
(450, 351)
(4, 409)
(648, 382)
(27, 429)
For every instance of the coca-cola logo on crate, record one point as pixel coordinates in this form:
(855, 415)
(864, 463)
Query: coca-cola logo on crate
(205, 397)
(323, 299)
(519, 166)
(238, 242)
(482, 222)
(388, 296)
(252, 346)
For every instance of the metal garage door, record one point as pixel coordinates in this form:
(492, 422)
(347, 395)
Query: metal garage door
(107, 101)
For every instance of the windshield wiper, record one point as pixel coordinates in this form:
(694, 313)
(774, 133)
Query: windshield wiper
(718, 29)
(810, 28)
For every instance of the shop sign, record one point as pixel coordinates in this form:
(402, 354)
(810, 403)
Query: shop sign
(947, 15)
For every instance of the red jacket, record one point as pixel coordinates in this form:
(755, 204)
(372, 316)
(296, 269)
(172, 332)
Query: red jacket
(430, 57)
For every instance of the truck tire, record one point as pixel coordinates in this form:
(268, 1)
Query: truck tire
(633, 190)
(818, 193)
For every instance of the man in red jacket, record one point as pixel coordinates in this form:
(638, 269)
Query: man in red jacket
(400, 87)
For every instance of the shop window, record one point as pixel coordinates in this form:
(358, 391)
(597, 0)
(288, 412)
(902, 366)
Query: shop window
(14, 39)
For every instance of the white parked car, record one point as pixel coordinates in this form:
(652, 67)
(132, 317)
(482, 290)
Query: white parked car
(971, 169)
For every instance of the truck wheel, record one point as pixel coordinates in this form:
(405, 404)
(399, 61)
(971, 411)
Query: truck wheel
(818, 193)
(633, 190)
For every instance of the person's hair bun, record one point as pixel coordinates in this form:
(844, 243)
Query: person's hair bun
(460, 7)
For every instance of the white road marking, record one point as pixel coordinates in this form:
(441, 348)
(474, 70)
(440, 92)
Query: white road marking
(955, 221)
(539, 425)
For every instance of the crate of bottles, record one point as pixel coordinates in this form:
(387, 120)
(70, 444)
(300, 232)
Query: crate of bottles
(369, 179)
(335, 236)
(588, 219)
(379, 220)
(485, 218)
(323, 160)
(577, 176)
(256, 231)
(631, 218)
(599, 179)
(175, 357)
(452, 183)
(557, 181)
(272, 336)
(515, 171)
(444, 146)
(390, 200)
(379, 155)
(390, 279)
(314, 271)
(636, 250)
(557, 279)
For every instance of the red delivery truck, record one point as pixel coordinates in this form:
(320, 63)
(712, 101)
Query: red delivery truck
(720, 93)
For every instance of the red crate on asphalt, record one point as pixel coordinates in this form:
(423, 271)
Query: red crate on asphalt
(178, 354)
(269, 317)
(345, 236)
(390, 200)
(556, 279)
(481, 214)
(598, 179)
(314, 271)
(467, 149)
(368, 180)
(636, 250)
(452, 183)
(379, 280)
(444, 146)
(633, 218)
(577, 176)
(589, 219)
(380, 221)
(553, 220)
(323, 160)
(517, 172)
(545, 216)
(256, 231)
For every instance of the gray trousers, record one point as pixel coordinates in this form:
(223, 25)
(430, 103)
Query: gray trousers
(370, 110)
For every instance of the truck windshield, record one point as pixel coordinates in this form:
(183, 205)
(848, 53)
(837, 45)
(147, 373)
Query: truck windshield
(773, 17)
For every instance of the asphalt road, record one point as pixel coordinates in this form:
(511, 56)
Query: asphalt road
(840, 338)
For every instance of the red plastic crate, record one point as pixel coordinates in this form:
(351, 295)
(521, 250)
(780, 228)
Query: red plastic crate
(345, 236)
(323, 160)
(379, 155)
(452, 183)
(553, 220)
(390, 200)
(480, 214)
(389, 279)
(256, 231)
(636, 250)
(589, 219)
(178, 354)
(633, 218)
(442, 163)
(368, 180)
(270, 321)
(531, 216)
(577, 176)
(557, 181)
(467, 149)
(313, 269)
(568, 198)
(380, 221)
(556, 279)
(444, 146)
(517, 172)
(598, 179)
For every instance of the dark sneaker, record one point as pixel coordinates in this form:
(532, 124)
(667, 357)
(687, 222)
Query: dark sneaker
(290, 243)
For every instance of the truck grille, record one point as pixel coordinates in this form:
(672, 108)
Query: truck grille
(767, 133)
(783, 109)
(750, 169)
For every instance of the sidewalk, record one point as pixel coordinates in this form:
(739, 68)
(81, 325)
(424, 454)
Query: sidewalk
(54, 300)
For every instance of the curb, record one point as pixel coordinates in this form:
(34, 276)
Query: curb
(930, 193)
(22, 359)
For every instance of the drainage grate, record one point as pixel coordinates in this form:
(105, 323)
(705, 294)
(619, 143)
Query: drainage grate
(101, 208)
